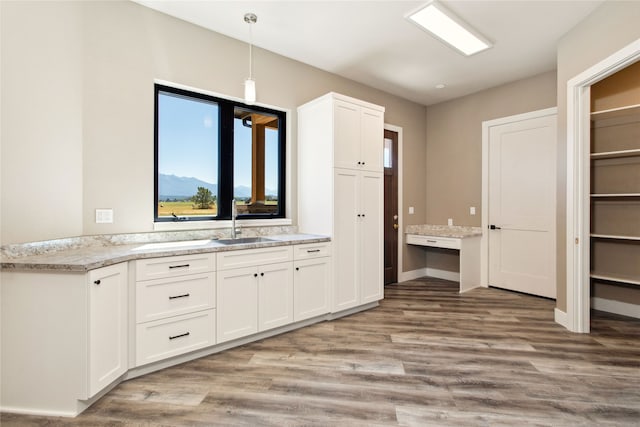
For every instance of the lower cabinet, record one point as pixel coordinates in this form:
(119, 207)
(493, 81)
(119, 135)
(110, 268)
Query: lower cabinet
(256, 298)
(312, 281)
(107, 325)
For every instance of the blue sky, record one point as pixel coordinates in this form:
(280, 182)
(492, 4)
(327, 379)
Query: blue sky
(188, 132)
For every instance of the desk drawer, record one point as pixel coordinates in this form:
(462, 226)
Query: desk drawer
(311, 250)
(160, 298)
(177, 335)
(436, 242)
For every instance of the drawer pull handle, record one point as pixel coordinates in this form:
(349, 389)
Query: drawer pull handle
(179, 266)
(309, 251)
(432, 241)
(97, 282)
(179, 296)
(186, 334)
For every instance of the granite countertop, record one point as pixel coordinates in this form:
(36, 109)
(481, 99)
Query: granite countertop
(453, 231)
(82, 254)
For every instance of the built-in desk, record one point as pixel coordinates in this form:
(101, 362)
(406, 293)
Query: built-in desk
(464, 239)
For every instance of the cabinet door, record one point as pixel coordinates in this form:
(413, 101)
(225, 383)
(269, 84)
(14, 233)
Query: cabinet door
(311, 287)
(371, 236)
(237, 303)
(275, 295)
(107, 325)
(346, 291)
(347, 134)
(372, 141)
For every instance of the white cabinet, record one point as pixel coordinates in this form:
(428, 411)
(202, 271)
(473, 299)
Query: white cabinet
(358, 129)
(107, 325)
(359, 235)
(64, 337)
(311, 280)
(175, 306)
(341, 191)
(254, 291)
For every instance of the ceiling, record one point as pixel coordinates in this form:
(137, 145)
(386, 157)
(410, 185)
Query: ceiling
(371, 42)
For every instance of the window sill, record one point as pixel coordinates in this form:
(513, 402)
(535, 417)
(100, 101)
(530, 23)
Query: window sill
(211, 225)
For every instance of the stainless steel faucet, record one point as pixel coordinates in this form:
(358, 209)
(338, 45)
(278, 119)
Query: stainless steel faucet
(234, 214)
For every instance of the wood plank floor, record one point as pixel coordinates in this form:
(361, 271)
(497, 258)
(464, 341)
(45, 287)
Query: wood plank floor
(426, 356)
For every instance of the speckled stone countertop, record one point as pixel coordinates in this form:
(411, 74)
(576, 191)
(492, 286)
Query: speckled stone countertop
(81, 254)
(453, 231)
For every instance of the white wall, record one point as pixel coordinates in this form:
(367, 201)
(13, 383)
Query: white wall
(41, 134)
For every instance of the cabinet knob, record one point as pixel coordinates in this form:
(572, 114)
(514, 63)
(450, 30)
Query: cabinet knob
(97, 282)
(255, 274)
(297, 268)
(261, 274)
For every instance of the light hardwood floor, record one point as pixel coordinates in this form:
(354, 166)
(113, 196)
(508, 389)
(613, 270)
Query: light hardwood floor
(426, 357)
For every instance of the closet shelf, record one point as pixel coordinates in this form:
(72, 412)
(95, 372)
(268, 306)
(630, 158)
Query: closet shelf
(615, 237)
(628, 110)
(615, 195)
(616, 154)
(616, 278)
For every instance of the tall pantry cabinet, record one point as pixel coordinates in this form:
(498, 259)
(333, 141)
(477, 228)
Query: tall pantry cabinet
(615, 190)
(341, 191)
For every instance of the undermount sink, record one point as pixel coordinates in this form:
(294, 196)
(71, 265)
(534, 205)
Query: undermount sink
(243, 240)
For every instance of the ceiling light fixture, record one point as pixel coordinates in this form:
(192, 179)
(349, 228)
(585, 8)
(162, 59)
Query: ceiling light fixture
(443, 24)
(250, 84)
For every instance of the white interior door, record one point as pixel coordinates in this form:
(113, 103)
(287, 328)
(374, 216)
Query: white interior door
(522, 205)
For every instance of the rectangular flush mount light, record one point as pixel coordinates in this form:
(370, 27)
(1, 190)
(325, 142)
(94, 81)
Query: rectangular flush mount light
(443, 24)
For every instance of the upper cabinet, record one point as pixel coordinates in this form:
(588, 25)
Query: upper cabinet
(358, 127)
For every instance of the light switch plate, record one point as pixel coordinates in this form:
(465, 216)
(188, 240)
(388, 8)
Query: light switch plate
(410, 210)
(104, 216)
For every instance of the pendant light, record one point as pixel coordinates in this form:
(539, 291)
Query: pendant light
(250, 84)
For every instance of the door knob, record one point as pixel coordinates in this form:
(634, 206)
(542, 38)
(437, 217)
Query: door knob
(493, 227)
(395, 226)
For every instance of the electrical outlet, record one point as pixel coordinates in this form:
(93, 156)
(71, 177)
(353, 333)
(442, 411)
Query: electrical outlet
(450, 222)
(410, 210)
(472, 210)
(104, 216)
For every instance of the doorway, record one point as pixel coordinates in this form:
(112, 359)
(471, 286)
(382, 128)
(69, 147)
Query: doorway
(391, 217)
(577, 316)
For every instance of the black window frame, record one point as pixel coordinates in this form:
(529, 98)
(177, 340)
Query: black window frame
(226, 111)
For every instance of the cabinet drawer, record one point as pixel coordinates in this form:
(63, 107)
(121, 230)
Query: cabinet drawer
(160, 298)
(156, 268)
(311, 250)
(436, 242)
(253, 257)
(177, 335)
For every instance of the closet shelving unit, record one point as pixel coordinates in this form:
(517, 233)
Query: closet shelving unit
(615, 195)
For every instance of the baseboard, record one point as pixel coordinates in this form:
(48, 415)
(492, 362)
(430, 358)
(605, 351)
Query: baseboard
(443, 274)
(616, 307)
(412, 275)
(561, 318)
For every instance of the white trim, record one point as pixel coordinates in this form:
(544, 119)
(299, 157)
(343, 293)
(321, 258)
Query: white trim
(578, 222)
(412, 274)
(616, 307)
(454, 276)
(398, 130)
(486, 127)
(560, 317)
(215, 225)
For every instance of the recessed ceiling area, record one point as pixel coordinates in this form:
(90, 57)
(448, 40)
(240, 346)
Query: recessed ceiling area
(373, 43)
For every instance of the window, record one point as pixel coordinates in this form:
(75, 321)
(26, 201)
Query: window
(209, 151)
